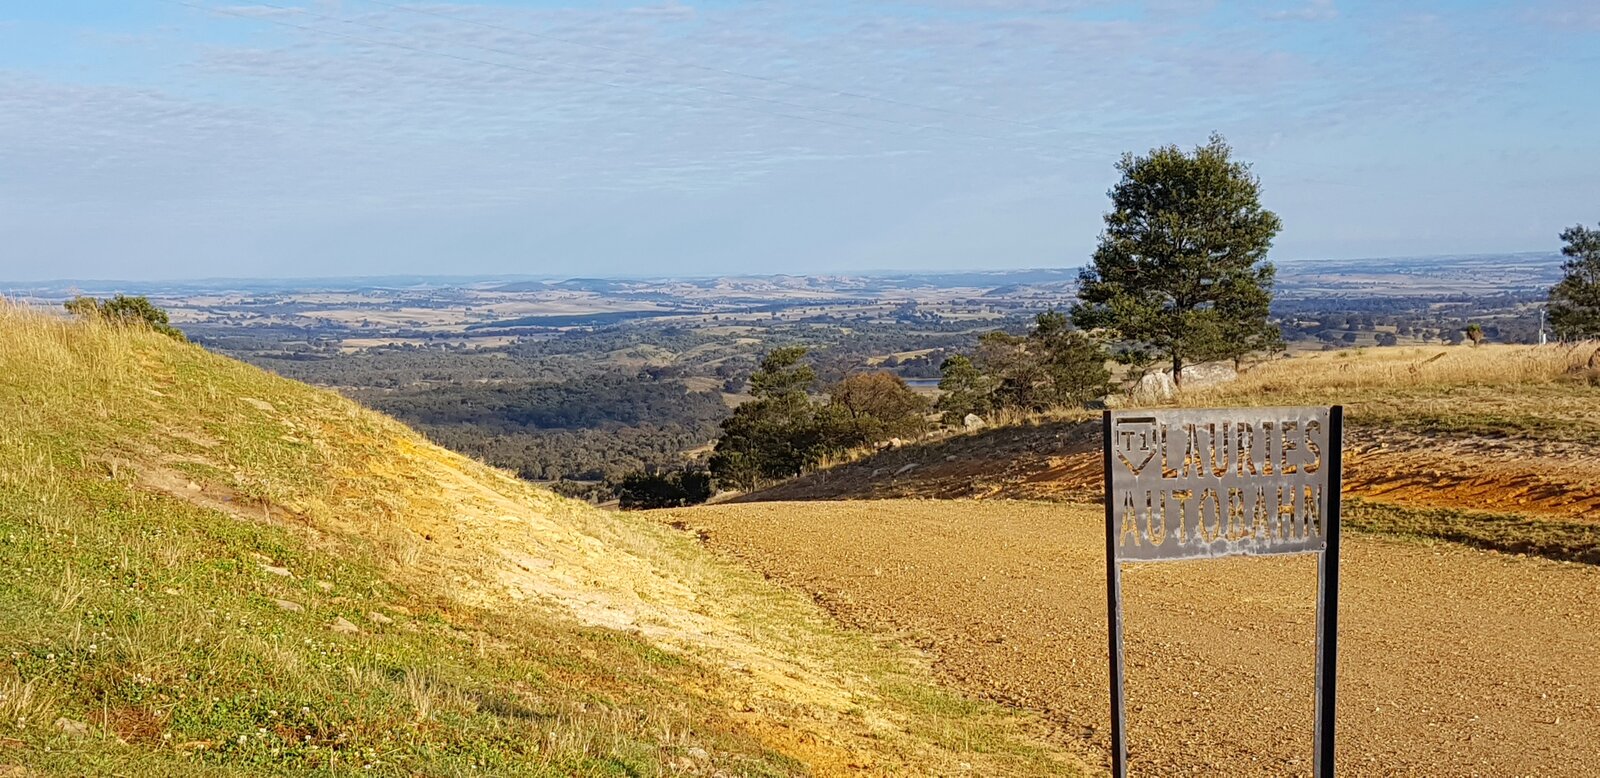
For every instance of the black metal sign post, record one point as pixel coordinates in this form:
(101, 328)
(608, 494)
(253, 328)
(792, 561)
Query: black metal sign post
(1203, 484)
(1119, 744)
(1328, 602)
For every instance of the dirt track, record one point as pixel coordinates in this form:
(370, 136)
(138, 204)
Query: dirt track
(1557, 480)
(1453, 661)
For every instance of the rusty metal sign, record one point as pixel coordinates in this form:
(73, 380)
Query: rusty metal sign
(1191, 484)
(1201, 484)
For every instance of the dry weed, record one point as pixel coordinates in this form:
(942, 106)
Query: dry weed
(1403, 368)
(24, 704)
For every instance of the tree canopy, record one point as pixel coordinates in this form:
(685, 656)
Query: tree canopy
(1181, 270)
(1575, 299)
(1052, 366)
(783, 431)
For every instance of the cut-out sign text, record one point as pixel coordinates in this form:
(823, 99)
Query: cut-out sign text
(1194, 484)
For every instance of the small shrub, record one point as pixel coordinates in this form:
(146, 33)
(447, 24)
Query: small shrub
(125, 310)
(643, 491)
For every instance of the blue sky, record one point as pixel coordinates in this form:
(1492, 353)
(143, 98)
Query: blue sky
(187, 138)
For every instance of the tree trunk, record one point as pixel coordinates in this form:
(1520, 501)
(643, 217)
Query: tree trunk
(1177, 371)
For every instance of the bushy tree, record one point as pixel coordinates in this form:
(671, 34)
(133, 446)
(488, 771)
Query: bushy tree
(869, 407)
(964, 389)
(783, 431)
(1575, 299)
(775, 435)
(1181, 268)
(783, 374)
(126, 310)
(1004, 358)
(1073, 365)
(676, 489)
(83, 306)
(1052, 366)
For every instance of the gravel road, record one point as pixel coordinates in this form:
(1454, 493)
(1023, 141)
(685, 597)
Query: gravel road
(1453, 661)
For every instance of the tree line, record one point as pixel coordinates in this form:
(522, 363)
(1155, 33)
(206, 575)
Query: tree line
(1180, 277)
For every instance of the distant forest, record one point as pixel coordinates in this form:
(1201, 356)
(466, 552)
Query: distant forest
(585, 405)
(591, 405)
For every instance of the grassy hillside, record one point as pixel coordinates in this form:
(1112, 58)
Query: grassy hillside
(1497, 446)
(212, 570)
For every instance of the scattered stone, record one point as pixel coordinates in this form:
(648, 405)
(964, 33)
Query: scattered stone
(326, 586)
(906, 469)
(72, 728)
(192, 486)
(342, 625)
(171, 591)
(260, 405)
(378, 618)
(400, 609)
(973, 422)
(698, 753)
(283, 571)
(1158, 386)
(289, 605)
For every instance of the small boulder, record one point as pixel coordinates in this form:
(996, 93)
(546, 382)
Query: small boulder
(973, 422)
(343, 626)
(289, 605)
(275, 570)
(72, 728)
(378, 618)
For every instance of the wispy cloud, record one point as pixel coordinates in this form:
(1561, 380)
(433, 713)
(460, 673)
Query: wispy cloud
(252, 119)
(1313, 11)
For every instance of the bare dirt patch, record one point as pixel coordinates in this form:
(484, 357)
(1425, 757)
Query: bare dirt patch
(1453, 661)
(1061, 461)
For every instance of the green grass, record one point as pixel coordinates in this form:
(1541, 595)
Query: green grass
(146, 488)
(156, 624)
(1510, 533)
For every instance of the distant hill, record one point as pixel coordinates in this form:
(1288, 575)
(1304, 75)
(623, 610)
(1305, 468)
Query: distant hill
(212, 570)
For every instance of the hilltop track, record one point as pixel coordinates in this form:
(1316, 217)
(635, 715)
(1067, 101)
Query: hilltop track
(1553, 480)
(1453, 661)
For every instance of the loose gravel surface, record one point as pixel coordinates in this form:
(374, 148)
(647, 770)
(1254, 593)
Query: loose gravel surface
(1453, 661)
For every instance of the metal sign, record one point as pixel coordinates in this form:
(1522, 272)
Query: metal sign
(1200, 484)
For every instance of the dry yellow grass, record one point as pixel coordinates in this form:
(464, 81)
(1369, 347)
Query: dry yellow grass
(1404, 368)
(196, 450)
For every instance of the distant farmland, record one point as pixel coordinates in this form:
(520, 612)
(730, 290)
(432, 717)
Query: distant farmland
(575, 319)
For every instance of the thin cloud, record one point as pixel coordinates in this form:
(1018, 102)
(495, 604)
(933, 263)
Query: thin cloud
(1313, 11)
(350, 112)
